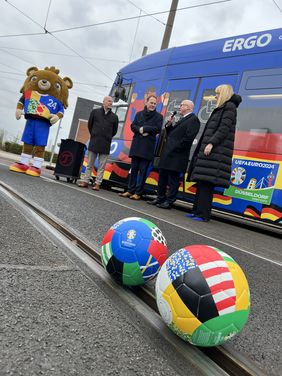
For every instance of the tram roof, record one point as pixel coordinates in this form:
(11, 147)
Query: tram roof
(263, 41)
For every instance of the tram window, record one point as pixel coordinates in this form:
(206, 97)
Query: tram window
(261, 107)
(126, 92)
(121, 113)
(260, 111)
(175, 98)
(264, 82)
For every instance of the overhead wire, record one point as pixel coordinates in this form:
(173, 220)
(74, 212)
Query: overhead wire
(135, 17)
(24, 14)
(50, 1)
(85, 60)
(8, 66)
(155, 18)
(17, 74)
(18, 57)
(60, 41)
(277, 5)
(135, 34)
(75, 82)
(61, 54)
(117, 20)
(21, 35)
(98, 24)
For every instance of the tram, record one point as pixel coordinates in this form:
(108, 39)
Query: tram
(252, 64)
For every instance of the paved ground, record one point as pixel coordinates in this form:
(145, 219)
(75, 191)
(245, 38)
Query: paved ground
(91, 214)
(57, 321)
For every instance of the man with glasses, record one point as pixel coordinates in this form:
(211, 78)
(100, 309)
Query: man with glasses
(175, 154)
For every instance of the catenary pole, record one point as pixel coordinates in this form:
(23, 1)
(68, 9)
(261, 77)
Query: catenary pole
(55, 142)
(169, 24)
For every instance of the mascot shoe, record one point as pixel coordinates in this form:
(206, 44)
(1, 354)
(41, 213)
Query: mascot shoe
(18, 167)
(33, 171)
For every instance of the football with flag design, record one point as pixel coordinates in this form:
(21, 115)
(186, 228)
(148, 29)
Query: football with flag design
(133, 251)
(203, 295)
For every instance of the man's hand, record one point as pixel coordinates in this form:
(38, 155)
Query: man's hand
(208, 149)
(53, 119)
(18, 114)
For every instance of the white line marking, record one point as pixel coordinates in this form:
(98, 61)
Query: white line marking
(163, 220)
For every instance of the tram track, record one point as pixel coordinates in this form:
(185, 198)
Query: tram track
(233, 363)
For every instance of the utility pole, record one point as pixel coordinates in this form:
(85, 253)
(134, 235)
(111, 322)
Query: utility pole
(54, 145)
(169, 24)
(145, 50)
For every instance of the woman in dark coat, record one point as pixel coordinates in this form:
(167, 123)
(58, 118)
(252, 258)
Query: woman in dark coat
(211, 162)
(146, 125)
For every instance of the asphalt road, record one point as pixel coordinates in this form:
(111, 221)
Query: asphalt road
(59, 319)
(92, 213)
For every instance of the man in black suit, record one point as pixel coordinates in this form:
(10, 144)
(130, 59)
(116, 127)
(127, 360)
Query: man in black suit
(175, 154)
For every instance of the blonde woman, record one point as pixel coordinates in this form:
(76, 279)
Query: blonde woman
(211, 162)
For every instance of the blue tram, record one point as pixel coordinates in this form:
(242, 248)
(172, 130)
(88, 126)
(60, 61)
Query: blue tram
(252, 64)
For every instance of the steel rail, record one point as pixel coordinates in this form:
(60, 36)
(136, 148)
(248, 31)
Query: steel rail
(229, 360)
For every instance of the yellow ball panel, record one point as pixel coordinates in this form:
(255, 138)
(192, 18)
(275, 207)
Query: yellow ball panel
(183, 318)
(241, 286)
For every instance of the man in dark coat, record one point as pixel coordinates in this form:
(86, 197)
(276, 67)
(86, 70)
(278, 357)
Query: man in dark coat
(102, 126)
(175, 155)
(146, 125)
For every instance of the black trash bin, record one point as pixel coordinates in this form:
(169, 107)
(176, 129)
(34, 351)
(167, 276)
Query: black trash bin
(70, 160)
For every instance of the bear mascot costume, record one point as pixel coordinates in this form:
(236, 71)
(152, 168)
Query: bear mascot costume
(45, 96)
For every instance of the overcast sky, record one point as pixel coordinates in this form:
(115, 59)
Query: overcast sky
(91, 56)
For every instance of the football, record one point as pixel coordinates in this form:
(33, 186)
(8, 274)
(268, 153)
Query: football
(133, 251)
(203, 295)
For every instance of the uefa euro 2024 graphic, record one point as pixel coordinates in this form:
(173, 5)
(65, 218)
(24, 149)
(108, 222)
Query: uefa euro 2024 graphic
(252, 180)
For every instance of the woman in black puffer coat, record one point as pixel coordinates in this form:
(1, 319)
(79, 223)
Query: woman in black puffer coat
(211, 162)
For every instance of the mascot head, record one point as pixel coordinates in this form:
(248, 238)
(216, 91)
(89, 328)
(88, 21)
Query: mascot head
(47, 81)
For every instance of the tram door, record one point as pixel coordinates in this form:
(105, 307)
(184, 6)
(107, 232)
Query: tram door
(205, 103)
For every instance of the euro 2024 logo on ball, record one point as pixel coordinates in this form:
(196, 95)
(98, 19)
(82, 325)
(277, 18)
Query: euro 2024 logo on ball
(133, 251)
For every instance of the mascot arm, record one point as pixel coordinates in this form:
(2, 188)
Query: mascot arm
(55, 117)
(20, 106)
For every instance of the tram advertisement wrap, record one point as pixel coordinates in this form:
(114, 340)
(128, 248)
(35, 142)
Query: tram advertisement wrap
(252, 180)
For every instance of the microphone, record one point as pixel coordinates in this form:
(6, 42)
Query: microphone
(172, 116)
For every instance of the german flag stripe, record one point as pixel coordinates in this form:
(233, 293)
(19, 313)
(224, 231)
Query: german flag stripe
(271, 214)
(109, 167)
(151, 181)
(252, 212)
(153, 175)
(191, 189)
(120, 171)
(223, 200)
(124, 157)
